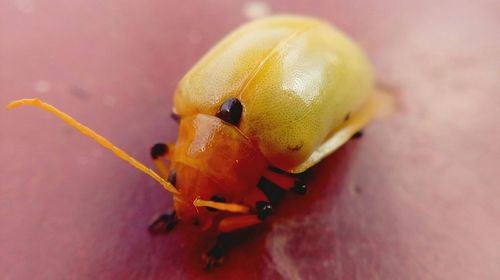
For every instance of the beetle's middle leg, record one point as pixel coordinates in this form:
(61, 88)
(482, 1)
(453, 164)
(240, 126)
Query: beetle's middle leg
(285, 181)
(270, 189)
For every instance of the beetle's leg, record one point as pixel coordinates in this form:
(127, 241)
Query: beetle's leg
(164, 223)
(161, 152)
(230, 224)
(215, 256)
(269, 190)
(263, 197)
(285, 181)
(227, 225)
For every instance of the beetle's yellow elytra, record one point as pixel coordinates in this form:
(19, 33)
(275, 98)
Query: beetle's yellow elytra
(297, 78)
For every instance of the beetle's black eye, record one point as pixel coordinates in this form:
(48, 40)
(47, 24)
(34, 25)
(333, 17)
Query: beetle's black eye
(216, 198)
(172, 177)
(230, 111)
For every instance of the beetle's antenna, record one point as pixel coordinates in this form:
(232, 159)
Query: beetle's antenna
(229, 207)
(98, 138)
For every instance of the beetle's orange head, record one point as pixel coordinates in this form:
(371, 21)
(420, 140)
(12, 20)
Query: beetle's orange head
(213, 162)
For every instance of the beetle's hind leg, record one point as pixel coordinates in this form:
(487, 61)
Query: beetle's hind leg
(284, 180)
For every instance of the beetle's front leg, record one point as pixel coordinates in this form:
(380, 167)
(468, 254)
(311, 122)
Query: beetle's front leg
(159, 153)
(215, 256)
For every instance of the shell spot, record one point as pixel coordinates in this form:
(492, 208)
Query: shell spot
(295, 148)
(347, 117)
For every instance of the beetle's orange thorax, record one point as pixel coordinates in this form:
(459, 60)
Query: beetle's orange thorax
(211, 158)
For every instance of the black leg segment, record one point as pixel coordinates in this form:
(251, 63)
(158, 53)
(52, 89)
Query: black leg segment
(299, 188)
(264, 209)
(273, 192)
(158, 150)
(215, 255)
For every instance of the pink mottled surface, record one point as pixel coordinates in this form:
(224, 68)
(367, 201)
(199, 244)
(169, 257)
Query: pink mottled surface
(416, 198)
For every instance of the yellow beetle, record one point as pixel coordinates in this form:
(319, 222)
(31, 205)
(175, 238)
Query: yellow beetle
(274, 97)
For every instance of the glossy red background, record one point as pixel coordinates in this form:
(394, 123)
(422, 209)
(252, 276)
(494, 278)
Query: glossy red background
(416, 198)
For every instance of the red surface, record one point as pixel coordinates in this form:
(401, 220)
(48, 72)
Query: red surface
(416, 198)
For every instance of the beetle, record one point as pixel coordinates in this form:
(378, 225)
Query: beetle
(270, 100)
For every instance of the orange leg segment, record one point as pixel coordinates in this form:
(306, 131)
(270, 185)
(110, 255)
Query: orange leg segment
(282, 180)
(162, 168)
(285, 181)
(233, 223)
(161, 152)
